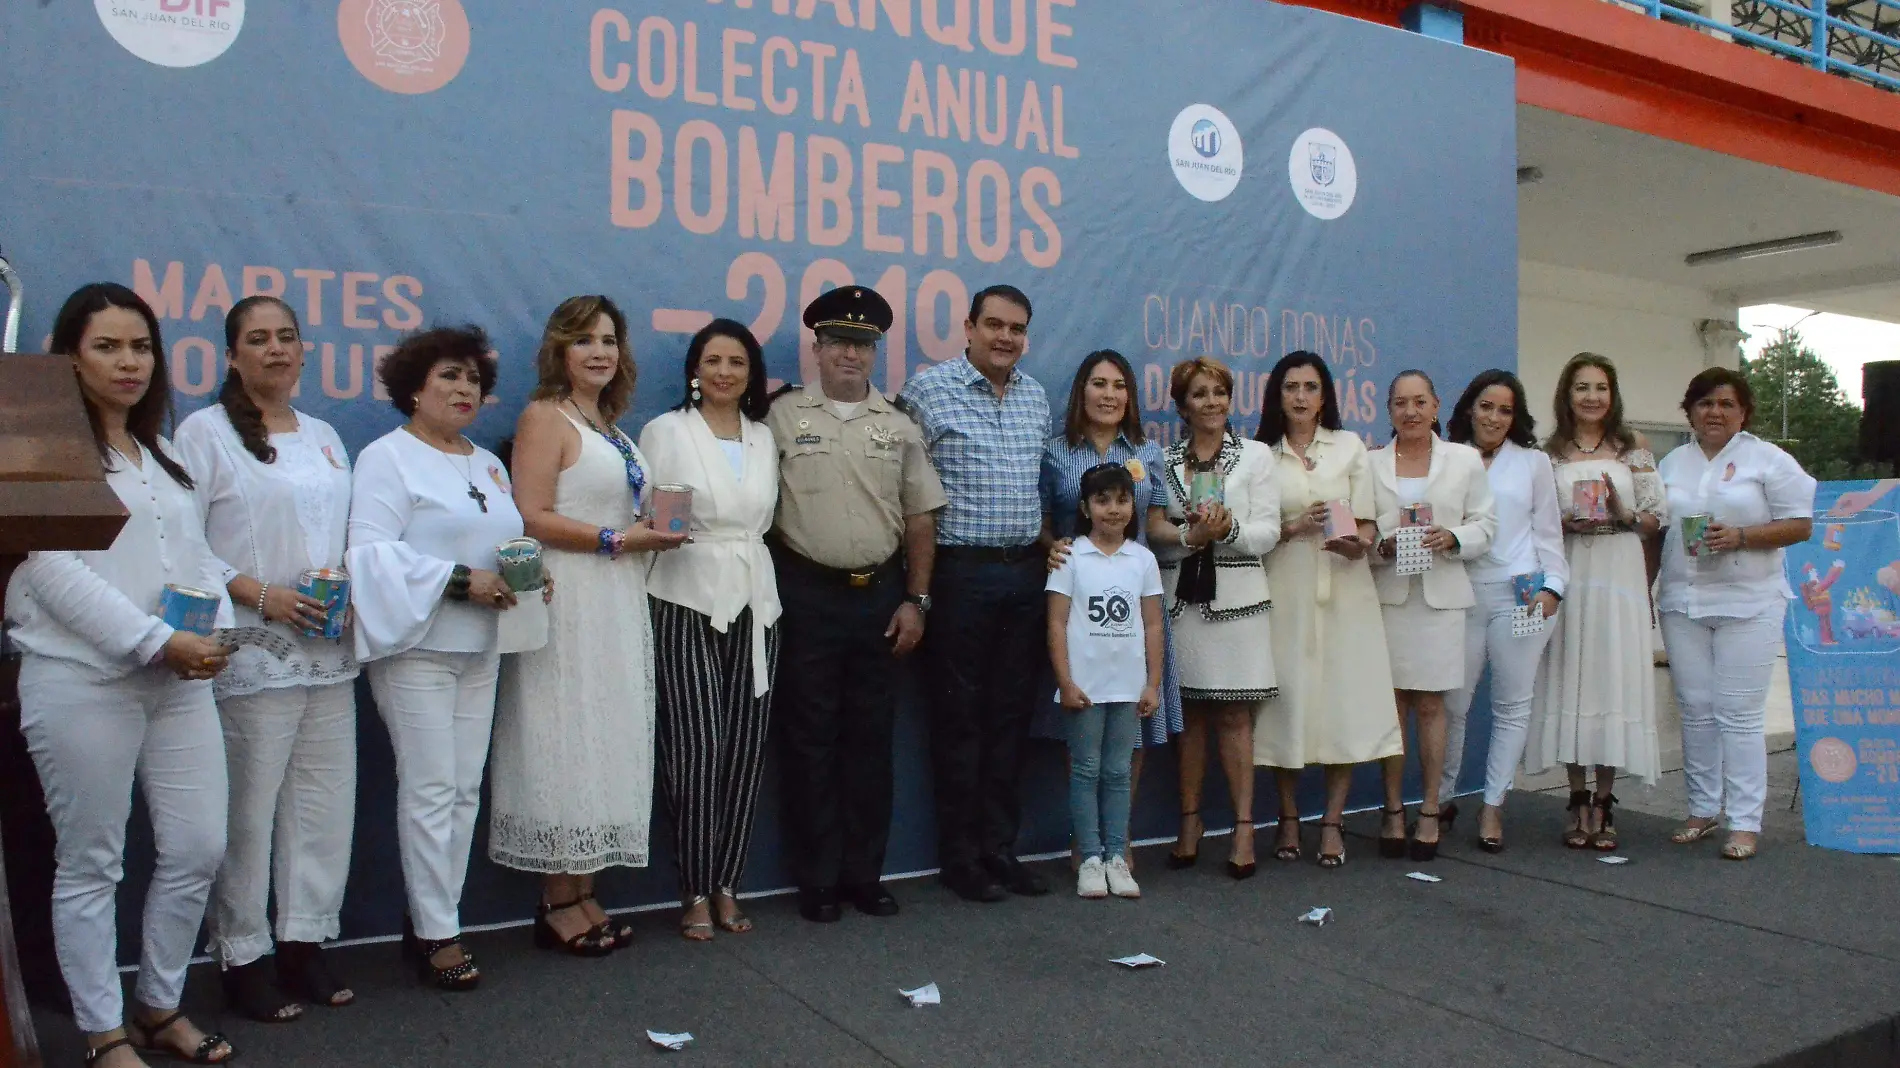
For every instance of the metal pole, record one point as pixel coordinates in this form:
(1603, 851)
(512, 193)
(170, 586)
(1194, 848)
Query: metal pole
(10, 341)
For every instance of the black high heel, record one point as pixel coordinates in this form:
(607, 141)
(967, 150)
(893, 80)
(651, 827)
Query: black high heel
(248, 989)
(1420, 850)
(620, 929)
(1178, 861)
(1288, 852)
(421, 952)
(1447, 817)
(1236, 870)
(1576, 837)
(595, 941)
(1331, 861)
(1604, 841)
(1391, 848)
(303, 971)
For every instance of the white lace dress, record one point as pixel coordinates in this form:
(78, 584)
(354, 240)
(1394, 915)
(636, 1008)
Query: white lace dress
(571, 775)
(1596, 691)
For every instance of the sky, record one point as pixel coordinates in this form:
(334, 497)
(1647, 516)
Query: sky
(1843, 341)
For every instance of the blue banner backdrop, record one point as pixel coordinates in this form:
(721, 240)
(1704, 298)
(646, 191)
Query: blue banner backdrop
(1229, 178)
(1843, 634)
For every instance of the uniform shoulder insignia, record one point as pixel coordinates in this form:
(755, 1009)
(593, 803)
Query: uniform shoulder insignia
(903, 404)
(789, 387)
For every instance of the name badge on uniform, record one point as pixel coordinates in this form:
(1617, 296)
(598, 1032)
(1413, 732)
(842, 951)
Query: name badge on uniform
(806, 439)
(883, 438)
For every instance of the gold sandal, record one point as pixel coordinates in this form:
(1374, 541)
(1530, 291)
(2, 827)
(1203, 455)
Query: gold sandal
(1733, 850)
(737, 922)
(1689, 833)
(701, 931)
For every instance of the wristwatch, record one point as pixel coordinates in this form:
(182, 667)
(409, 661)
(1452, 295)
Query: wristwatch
(921, 600)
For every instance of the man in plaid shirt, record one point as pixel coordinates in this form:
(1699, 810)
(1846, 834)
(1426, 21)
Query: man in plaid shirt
(985, 423)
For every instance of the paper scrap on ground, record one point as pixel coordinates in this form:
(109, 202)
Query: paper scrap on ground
(1613, 860)
(1318, 916)
(927, 994)
(666, 1041)
(1422, 877)
(1140, 960)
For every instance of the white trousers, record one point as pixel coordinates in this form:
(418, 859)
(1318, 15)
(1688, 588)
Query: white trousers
(440, 710)
(91, 741)
(1513, 680)
(292, 758)
(1721, 668)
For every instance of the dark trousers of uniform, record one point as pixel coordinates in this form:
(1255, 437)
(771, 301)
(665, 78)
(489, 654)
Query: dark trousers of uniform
(711, 740)
(985, 646)
(832, 711)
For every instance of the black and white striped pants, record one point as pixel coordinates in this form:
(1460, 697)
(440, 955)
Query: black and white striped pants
(712, 737)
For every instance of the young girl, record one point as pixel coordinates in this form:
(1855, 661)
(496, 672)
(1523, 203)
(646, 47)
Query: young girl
(1105, 642)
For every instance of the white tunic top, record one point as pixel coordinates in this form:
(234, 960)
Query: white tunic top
(412, 519)
(725, 568)
(1530, 523)
(271, 522)
(1749, 482)
(99, 610)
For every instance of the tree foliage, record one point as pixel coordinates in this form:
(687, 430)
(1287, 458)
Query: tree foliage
(1823, 425)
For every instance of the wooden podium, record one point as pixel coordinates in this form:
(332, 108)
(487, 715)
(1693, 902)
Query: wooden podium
(53, 495)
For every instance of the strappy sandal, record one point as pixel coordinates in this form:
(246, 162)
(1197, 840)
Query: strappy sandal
(1391, 848)
(1422, 850)
(456, 978)
(595, 941)
(93, 1053)
(1733, 850)
(1495, 844)
(1331, 861)
(620, 929)
(1690, 833)
(701, 931)
(1577, 837)
(1287, 852)
(735, 923)
(1604, 840)
(303, 971)
(1178, 861)
(249, 990)
(145, 1040)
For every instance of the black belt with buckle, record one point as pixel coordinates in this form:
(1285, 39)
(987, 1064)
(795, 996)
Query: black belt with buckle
(992, 554)
(858, 578)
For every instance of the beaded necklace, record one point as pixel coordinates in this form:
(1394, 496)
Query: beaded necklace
(636, 478)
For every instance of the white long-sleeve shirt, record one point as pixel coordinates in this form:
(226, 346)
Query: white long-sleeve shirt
(98, 610)
(412, 519)
(271, 522)
(1530, 522)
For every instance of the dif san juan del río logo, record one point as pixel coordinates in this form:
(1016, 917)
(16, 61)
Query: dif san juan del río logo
(1204, 152)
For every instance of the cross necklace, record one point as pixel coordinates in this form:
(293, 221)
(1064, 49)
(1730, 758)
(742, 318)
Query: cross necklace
(464, 469)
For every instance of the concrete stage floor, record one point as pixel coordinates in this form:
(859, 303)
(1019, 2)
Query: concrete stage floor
(1540, 956)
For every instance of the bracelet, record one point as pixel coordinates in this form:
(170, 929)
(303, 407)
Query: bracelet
(261, 591)
(610, 541)
(457, 589)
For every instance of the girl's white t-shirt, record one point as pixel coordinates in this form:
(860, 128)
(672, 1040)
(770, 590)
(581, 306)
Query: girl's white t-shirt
(1108, 650)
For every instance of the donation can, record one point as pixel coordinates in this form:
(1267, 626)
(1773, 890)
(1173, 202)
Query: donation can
(332, 587)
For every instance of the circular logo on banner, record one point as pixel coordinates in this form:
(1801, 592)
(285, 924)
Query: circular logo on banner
(404, 46)
(1321, 170)
(1833, 760)
(1204, 152)
(173, 33)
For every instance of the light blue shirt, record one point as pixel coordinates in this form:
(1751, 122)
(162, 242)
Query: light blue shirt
(987, 451)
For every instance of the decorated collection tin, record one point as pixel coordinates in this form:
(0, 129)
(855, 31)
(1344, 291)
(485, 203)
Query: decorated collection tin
(1339, 521)
(519, 561)
(1695, 528)
(332, 587)
(1415, 515)
(1590, 500)
(672, 508)
(188, 608)
(1205, 488)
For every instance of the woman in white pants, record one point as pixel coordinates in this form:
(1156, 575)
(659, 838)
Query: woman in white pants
(1425, 613)
(1524, 566)
(1722, 608)
(111, 694)
(428, 510)
(274, 487)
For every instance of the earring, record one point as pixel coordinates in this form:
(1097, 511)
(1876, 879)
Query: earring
(695, 390)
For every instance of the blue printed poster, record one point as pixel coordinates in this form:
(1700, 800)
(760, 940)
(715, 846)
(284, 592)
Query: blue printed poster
(1843, 635)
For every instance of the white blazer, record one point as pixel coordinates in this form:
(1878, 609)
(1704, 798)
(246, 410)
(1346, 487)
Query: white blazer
(725, 568)
(1459, 491)
(1240, 577)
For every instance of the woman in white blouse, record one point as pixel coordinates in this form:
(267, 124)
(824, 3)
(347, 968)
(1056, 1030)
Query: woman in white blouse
(1528, 552)
(111, 695)
(715, 603)
(428, 511)
(1424, 614)
(1722, 608)
(274, 486)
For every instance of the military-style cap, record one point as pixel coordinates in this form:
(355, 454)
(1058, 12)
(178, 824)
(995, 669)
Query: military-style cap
(854, 311)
